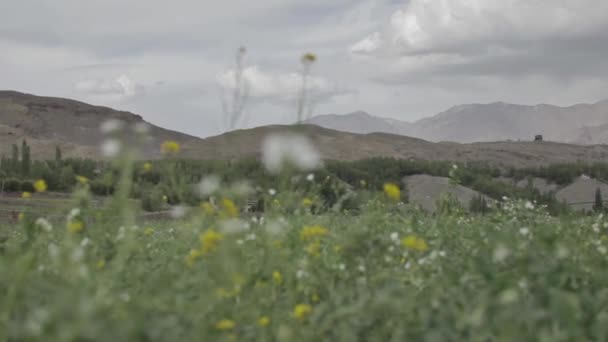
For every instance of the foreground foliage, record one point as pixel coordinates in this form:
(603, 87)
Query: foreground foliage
(386, 273)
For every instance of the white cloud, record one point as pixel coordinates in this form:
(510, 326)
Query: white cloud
(279, 86)
(439, 26)
(121, 88)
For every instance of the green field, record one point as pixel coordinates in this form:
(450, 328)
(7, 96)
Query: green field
(386, 272)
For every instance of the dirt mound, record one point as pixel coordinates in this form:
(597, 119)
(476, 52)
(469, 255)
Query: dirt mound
(426, 190)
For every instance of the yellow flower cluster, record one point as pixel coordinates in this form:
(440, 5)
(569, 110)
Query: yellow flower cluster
(225, 324)
(26, 195)
(314, 248)
(230, 208)
(149, 231)
(307, 202)
(415, 243)
(392, 191)
(147, 167)
(312, 232)
(170, 147)
(82, 180)
(207, 208)
(210, 240)
(263, 321)
(75, 226)
(302, 311)
(40, 185)
(277, 277)
(192, 256)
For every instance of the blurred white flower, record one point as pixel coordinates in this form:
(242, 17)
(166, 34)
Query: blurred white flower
(141, 128)
(110, 148)
(310, 177)
(208, 185)
(272, 192)
(242, 188)
(111, 126)
(501, 253)
(275, 227)
(524, 231)
(342, 267)
(53, 251)
(233, 226)
(44, 224)
(278, 149)
(178, 211)
(529, 205)
(85, 242)
(395, 236)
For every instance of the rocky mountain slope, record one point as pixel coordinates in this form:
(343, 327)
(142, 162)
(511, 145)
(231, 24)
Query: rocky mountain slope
(75, 126)
(580, 124)
(47, 122)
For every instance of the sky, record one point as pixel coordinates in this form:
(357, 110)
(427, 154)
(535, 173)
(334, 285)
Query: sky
(173, 61)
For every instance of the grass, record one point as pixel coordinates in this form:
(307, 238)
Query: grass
(388, 273)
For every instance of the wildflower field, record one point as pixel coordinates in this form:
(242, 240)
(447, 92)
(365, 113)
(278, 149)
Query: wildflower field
(386, 272)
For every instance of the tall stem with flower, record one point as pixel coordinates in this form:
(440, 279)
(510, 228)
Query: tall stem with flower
(307, 60)
(234, 109)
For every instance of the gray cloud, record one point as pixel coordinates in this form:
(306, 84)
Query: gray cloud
(172, 53)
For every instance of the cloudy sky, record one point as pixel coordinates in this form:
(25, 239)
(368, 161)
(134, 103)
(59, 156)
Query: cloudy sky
(170, 61)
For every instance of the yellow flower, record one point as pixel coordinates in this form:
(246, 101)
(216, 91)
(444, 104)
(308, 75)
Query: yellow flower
(392, 191)
(170, 147)
(26, 195)
(314, 248)
(263, 321)
(100, 264)
(225, 324)
(82, 180)
(312, 232)
(21, 216)
(223, 293)
(412, 242)
(230, 208)
(40, 185)
(192, 256)
(165, 198)
(277, 277)
(75, 226)
(209, 241)
(309, 58)
(278, 244)
(301, 311)
(307, 202)
(208, 209)
(147, 167)
(148, 231)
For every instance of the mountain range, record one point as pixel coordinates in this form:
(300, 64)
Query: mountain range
(48, 122)
(578, 124)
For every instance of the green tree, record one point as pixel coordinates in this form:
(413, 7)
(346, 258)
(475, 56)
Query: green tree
(26, 162)
(58, 156)
(15, 159)
(599, 202)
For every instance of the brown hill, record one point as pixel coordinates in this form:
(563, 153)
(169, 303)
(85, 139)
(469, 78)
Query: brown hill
(349, 146)
(74, 125)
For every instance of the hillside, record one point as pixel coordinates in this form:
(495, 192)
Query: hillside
(47, 122)
(75, 126)
(349, 146)
(581, 123)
